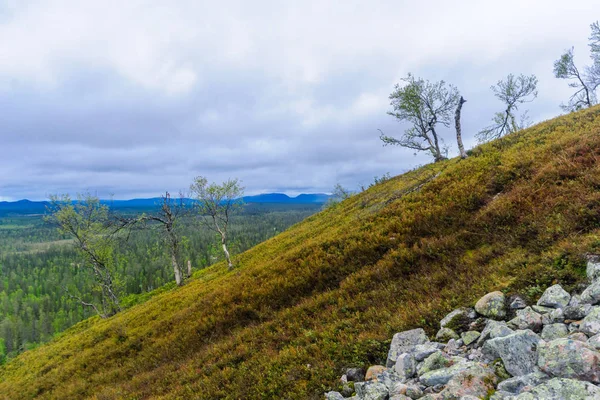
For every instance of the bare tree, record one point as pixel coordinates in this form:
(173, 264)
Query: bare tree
(461, 148)
(168, 216)
(513, 91)
(94, 231)
(216, 203)
(425, 105)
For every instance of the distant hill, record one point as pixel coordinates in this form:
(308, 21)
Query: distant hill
(27, 207)
(517, 215)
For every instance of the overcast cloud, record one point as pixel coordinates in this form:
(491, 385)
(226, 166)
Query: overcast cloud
(132, 98)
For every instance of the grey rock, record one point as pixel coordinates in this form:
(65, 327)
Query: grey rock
(591, 323)
(502, 395)
(452, 347)
(406, 366)
(392, 381)
(372, 390)
(567, 358)
(492, 330)
(334, 396)
(414, 392)
(541, 309)
(591, 295)
(527, 319)
(445, 334)
(555, 296)
(355, 374)
(469, 337)
(593, 267)
(518, 384)
(562, 389)
(403, 342)
(517, 303)
(492, 305)
(575, 300)
(435, 361)
(554, 331)
(443, 375)
(594, 341)
(518, 351)
(459, 319)
(579, 336)
(478, 380)
(422, 351)
(577, 312)
(399, 397)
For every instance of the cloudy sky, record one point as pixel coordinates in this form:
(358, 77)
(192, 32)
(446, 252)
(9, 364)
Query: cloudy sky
(133, 97)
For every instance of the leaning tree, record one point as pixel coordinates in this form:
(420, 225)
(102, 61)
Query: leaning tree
(424, 105)
(512, 91)
(216, 204)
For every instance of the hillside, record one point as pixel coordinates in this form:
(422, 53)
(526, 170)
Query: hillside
(329, 292)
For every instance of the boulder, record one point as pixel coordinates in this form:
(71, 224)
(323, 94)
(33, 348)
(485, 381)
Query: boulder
(591, 295)
(459, 319)
(422, 351)
(445, 334)
(580, 336)
(443, 375)
(555, 296)
(406, 366)
(522, 383)
(476, 381)
(355, 374)
(373, 371)
(518, 351)
(492, 330)
(403, 342)
(333, 396)
(492, 305)
(593, 267)
(435, 361)
(566, 358)
(517, 303)
(414, 392)
(527, 319)
(577, 312)
(371, 390)
(469, 337)
(562, 389)
(590, 325)
(594, 341)
(554, 331)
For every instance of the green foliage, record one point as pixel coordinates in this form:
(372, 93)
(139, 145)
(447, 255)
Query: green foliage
(329, 292)
(512, 91)
(423, 104)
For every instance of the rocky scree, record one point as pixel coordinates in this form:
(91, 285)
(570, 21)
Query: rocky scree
(549, 350)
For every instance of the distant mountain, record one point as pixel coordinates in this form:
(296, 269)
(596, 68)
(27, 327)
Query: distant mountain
(27, 207)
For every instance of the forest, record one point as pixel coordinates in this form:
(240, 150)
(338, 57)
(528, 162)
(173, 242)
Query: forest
(42, 274)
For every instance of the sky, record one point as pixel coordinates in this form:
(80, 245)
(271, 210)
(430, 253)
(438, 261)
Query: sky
(129, 99)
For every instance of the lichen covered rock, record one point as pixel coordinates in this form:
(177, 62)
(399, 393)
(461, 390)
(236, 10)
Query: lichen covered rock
(492, 305)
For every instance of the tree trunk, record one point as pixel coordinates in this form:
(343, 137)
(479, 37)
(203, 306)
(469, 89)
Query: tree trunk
(189, 268)
(176, 270)
(461, 148)
(438, 153)
(229, 263)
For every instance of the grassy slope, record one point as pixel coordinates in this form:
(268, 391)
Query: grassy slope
(329, 292)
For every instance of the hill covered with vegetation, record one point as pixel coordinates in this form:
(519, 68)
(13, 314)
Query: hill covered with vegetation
(518, 214)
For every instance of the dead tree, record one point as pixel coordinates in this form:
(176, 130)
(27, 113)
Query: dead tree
(461, 148)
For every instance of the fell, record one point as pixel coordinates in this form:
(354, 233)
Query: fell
(519, 214)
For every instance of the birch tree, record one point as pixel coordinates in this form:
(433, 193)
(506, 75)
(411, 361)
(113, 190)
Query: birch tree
(586, 81)
(216, 204)
(424, 105)
(168, 216)
(512, 91)
(89, 224)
